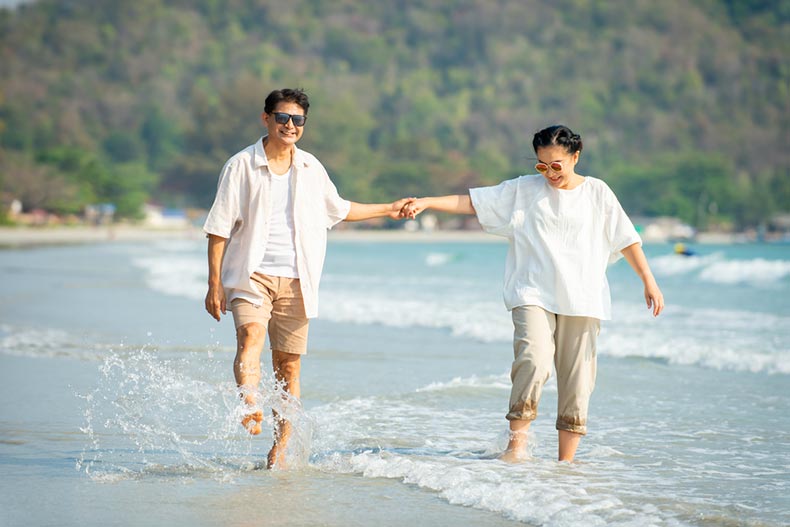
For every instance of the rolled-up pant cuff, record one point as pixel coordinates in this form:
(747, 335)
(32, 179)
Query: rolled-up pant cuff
(577, 425)
(523, 411)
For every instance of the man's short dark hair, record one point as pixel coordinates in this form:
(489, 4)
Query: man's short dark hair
(286, 95)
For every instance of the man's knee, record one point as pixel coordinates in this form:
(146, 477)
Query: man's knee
(286, 365)
(250, 334)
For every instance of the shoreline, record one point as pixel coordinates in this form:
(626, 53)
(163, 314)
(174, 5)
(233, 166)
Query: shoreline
(25, 237)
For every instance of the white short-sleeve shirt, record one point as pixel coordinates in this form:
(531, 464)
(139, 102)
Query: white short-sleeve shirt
(242, 213)
(561, 242)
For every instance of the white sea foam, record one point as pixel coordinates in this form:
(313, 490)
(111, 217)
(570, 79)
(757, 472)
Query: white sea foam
(176, 275)
(399, 437)
(496, 382)
(757, 271)
(45, 343)
(537, 492)
(437, 259)
(714, 338)
(673, 264)
(716, 269)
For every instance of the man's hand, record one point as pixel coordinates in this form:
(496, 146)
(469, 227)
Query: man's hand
(454, 204)
(215, 298)
(215, 301)
(368, 211)
(397, 208)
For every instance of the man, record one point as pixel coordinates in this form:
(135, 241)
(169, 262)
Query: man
(267, 233)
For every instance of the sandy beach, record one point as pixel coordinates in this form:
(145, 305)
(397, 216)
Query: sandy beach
(41, 236)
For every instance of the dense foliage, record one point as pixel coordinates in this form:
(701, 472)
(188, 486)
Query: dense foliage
(684, 106)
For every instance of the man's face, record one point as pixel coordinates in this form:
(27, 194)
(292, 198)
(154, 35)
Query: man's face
(287, 133)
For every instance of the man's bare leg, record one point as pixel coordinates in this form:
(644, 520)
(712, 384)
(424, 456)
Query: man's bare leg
(517, 445)
(287, 367)
(569, 442)
(247, 370)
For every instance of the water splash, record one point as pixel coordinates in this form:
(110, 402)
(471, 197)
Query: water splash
(151, 414)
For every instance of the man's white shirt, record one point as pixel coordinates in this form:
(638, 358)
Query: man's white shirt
(242, 212)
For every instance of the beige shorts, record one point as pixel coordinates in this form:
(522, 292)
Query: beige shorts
(540, 339)
(282, 312)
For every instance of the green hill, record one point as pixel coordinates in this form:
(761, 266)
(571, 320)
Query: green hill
(684, 107)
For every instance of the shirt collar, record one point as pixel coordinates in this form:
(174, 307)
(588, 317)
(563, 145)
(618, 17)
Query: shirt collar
(300, 159)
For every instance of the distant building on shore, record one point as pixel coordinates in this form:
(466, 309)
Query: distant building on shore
(663, 229)
(164, 218)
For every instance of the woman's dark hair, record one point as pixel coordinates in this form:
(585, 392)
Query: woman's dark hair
(286, 95)
(558, 135)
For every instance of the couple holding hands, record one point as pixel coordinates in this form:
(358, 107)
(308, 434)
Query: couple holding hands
(267, 232)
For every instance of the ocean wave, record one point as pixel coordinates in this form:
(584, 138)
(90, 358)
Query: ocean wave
(718, 339)
(45, 343)
(475, 384)
(482, 321)
(757, 271)
(537, 493)
(674, 264)
(714, 338)
(715, 268)
(437, 259)
(176, 275)
(485, 382)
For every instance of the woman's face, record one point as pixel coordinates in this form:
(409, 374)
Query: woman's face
(287, 133)
(554, 157)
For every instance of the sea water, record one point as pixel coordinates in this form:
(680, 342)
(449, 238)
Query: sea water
(119, 405)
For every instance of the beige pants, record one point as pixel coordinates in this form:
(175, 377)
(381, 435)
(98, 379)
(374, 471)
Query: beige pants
(540, 338)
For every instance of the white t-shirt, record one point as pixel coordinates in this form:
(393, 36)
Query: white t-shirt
(560, 242)
(279, 258)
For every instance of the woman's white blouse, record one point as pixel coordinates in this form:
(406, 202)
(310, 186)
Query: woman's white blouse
(561, 242)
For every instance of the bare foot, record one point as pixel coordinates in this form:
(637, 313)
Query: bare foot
(514, 455)
(516, 450)
(276, 458)
(252, 422)
(282, 434)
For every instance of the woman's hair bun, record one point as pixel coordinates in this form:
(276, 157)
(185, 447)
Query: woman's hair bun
(558, 135)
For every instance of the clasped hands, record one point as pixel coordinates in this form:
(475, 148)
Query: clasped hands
(408, 208)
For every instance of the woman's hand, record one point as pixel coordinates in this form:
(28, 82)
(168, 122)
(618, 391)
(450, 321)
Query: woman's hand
(654, 297)
(397, 208)
(414, 207)
(637, 260)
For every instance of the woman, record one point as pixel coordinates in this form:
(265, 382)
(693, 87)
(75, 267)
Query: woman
(563, 229)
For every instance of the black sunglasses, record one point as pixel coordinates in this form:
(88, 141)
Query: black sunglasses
(283, 118)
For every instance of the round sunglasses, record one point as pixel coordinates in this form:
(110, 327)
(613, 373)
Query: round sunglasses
(555, 166)
(283, 118)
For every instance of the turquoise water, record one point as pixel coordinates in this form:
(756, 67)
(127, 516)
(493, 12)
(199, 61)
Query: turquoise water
(119, 405)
